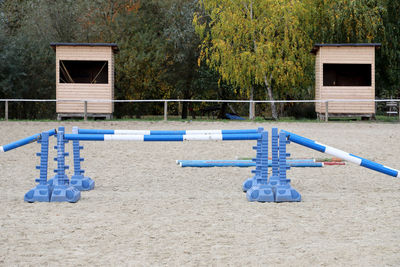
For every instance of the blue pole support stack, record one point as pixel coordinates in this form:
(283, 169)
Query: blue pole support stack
(61, 190)
(78, 180)
(260, 190)
(250, 181)
(42, 191)
(283, 190)
(273, 179)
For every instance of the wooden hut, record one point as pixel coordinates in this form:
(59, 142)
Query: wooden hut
(84, 71)
(345, 71)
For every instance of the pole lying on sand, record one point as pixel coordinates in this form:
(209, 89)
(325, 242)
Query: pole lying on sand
(25, 141)
(162, 138)
(158, 132)
(240, 160)
(341, 154)
(242, 163)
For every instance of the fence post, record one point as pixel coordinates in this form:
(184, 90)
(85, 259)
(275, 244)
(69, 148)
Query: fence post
(6, 110)
(254, 110)
(326, 111)
(165, 110)
(398, 109)
(85, 111)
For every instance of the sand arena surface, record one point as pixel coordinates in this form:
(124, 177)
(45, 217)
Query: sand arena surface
(145, 210)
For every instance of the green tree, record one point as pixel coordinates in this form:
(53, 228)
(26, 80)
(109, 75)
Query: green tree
(345, 21)
(252, 43)
(182, 49)
(28, 63)
(388, 58)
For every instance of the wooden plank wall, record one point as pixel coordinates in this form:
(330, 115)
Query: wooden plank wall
(81, 91)
(345, 55)
(318, 79)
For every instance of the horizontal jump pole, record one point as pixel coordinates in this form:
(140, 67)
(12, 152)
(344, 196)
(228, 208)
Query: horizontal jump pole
(239, 161)
(25, 141)
(162, 138)
(341, 154)
(158, 132)
(248, 163)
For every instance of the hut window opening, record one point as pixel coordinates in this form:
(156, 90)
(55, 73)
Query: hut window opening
(347, 74)
(79, 71)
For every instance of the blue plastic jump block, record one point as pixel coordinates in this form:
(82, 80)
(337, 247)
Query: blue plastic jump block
(81, 182)
(286, 193)
(40, 193)
(260, 193)
(248, 184)
(64, 193)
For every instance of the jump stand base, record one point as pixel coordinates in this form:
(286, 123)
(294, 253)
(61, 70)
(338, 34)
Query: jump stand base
(286, 193)
(55, 181)
(81, 182)
(63, 193)
(273, 181)
(260, 193)
(40, 193)
(248, 184)
(275, 191)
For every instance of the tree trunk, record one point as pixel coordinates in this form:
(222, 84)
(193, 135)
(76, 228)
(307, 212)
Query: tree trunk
(184, 110)
(191, 111)
(222, 111)
(187, 94)
(271, 97)
(252, 106)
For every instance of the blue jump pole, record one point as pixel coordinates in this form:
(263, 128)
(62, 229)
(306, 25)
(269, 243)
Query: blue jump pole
(25, 141)
(162, 138)
(242, 163)
(158, 132)
(341, 154)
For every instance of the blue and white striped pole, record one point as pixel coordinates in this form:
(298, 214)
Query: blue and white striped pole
(158, 132)
(25, 141)
(162, 138)
(341, 154)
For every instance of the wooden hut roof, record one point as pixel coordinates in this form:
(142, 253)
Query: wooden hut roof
(113, 46)
(317, 46)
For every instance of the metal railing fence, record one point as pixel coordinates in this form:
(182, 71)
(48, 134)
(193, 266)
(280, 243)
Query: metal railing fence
(252, 103)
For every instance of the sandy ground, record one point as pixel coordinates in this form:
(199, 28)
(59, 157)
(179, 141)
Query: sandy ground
(145, 210)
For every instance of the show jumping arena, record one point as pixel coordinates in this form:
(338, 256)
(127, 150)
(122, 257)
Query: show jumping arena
(145, 209)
